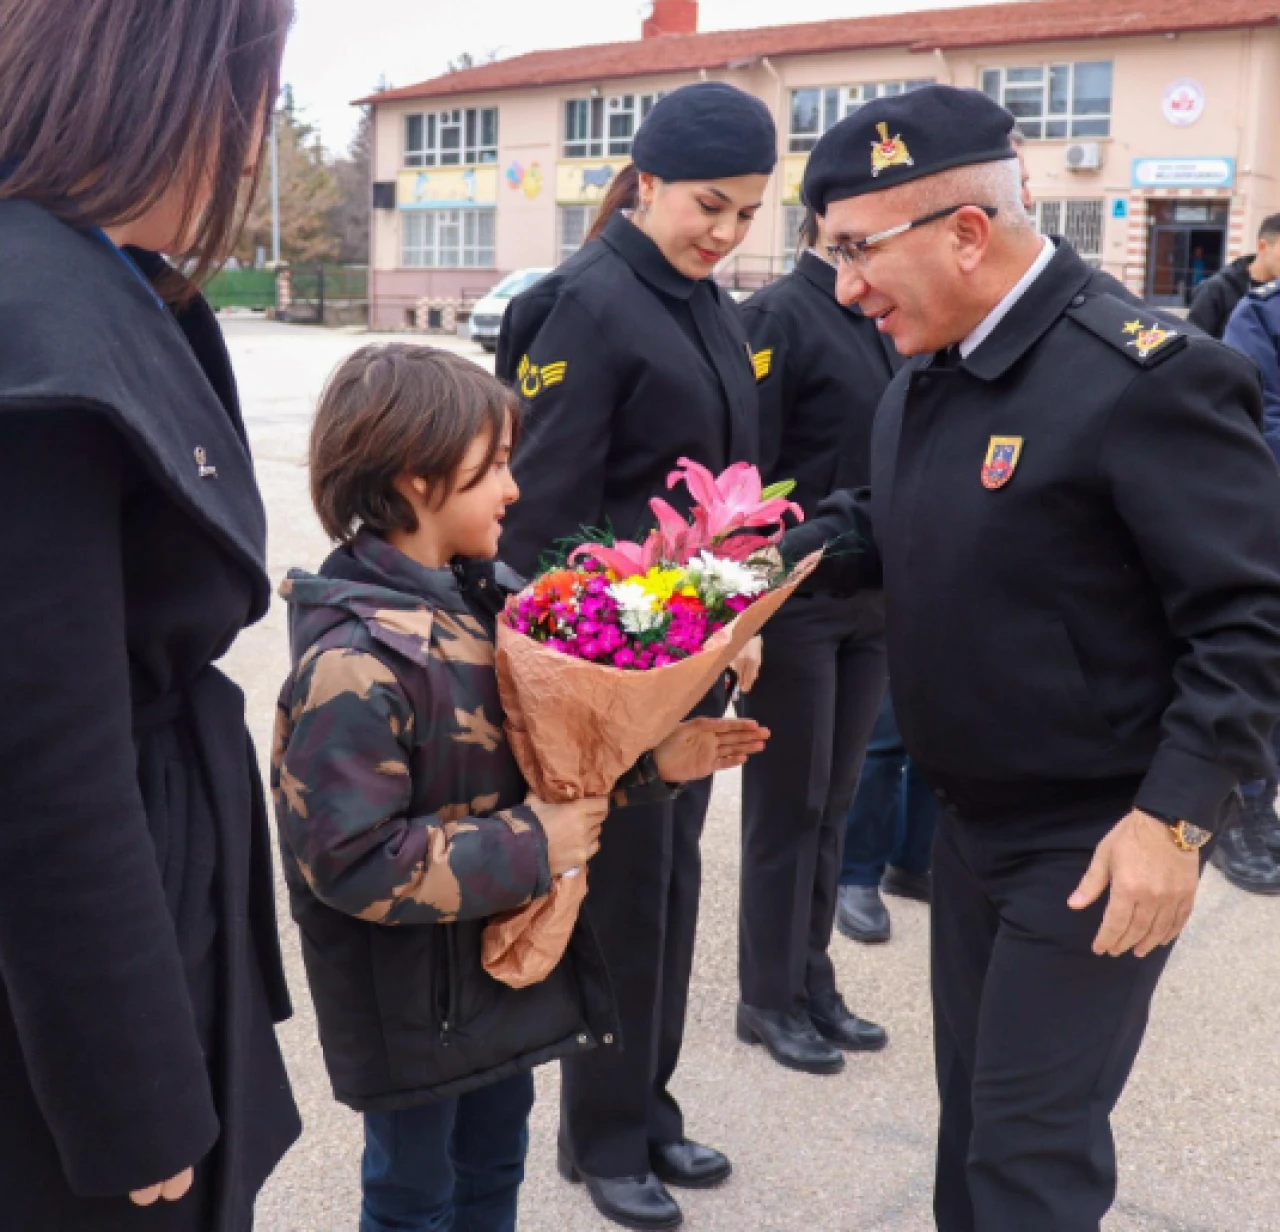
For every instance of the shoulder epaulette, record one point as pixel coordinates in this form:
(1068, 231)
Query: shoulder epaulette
(1133, 330)
(1266, 291)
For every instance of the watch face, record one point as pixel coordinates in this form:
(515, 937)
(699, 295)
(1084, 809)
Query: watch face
(1194, 836)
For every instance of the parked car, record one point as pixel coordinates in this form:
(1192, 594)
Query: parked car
(486, 316)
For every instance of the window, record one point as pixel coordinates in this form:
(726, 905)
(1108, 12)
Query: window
(575, 222)
(792, 221)
(447, 239)
(455, 138)
(1055, 101)
(604, 127)
(1079, 222)
(813, 111)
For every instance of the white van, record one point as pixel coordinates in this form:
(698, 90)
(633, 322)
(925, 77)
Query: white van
(486, 316)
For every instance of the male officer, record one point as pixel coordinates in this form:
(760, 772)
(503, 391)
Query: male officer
(1074, 518)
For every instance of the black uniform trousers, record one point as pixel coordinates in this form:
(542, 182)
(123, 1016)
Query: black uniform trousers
(819, 692)
(643, 904)
(1035, 1035)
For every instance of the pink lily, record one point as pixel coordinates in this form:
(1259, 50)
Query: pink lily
(623, 558)
(679, 542)
(733, 500)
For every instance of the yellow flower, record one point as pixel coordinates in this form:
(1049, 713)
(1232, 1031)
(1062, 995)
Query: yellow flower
(662, 583)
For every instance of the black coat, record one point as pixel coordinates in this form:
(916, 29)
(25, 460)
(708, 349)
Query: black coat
(821, 369)
(140, 974)
(1216, 298)
(1107, 619)
(625, 366)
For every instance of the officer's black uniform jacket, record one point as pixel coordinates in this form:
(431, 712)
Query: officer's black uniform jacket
(625, 366)
(822, 369)
(1107, 621)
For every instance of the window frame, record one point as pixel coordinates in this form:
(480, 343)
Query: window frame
(1059, 118)
(836, 103)
(587, 124)
(468, 127)
(589, 214)
(1044, 211)
(449, 239)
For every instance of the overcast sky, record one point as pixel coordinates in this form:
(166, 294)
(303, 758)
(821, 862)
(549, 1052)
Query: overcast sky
(340, 49)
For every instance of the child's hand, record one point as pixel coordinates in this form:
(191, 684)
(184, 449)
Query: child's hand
(572, 830)
(700, 747)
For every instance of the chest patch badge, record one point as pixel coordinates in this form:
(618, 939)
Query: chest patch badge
(889, 152)
(1148, 338)
(534, 378)
(762, 362)
(1003, 453)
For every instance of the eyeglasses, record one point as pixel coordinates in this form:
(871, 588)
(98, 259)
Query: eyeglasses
(857, 252)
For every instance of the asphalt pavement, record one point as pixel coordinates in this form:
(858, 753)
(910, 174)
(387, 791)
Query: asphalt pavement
(1198, 1130)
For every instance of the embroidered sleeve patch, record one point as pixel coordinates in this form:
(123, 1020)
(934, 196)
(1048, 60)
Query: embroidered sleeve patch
(762, 362)
(535, 378)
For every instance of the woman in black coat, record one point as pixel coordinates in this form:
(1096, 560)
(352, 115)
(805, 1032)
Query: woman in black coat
(141, 1085)
(628, 358)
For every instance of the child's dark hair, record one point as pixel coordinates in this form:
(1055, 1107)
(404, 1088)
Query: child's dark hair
(397, 409)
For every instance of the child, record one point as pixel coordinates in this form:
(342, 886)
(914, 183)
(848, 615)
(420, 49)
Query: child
(404, 820)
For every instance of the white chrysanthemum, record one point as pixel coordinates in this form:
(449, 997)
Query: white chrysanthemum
(717, 576)
(638, 610)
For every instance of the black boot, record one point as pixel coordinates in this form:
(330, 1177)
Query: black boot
(689, 1164)
(639, 1202)
(862, 914)
(790, 1038)
(908, 885)
(839, 1026)
(1242, 854)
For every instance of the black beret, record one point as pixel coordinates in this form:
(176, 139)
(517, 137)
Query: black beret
(891, 141)
(707, 131)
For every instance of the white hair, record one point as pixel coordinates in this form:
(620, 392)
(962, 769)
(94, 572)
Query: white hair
(997, 184)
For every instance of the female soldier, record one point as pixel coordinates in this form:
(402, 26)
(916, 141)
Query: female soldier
(821, 371)
(629, 357)
(139, 968)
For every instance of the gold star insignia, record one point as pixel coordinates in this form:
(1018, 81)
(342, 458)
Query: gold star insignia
(1133, 327)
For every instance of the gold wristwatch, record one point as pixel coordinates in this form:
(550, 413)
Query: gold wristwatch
(1186, 837)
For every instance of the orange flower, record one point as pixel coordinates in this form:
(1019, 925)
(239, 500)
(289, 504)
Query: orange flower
(558, 587)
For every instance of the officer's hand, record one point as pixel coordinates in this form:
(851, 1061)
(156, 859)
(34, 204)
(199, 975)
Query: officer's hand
(700, 747)
(1153, 887)
(747, 665)
(172, 1190)
(572, 830)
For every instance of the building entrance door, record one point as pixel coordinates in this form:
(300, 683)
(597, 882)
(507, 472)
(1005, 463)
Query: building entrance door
(1188, 243)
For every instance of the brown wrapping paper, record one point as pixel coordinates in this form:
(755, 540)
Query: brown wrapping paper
(575, 729)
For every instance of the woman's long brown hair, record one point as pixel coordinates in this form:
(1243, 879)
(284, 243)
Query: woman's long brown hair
(623, 194)
(104, 104)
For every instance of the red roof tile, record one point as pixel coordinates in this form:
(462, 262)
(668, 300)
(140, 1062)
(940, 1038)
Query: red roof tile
(987, 25)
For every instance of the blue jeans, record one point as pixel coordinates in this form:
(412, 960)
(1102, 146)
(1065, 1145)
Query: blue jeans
(453, 1166)
(894, 813)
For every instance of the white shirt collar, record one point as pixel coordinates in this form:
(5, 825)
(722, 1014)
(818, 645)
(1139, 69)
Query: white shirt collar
(987, 326)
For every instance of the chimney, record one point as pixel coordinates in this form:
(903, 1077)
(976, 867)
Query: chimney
(671, 17)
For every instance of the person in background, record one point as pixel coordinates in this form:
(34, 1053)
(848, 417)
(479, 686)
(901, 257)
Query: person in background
(141, 1083)
(628, 358)
(889, 835)
(1248, 855)
(1216, 297)
(820, 370)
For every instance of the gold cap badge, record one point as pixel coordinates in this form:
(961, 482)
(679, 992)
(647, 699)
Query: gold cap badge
(889, 152)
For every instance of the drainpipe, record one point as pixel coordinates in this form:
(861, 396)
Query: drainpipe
(944, 66)
(779, 176)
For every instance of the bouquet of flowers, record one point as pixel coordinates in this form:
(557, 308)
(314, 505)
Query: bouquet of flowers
(603, 655)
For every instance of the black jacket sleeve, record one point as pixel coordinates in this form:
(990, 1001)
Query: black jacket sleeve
(1209, 308)
(843, 525)
(88, 955)
(570, 392)
(1199, 491)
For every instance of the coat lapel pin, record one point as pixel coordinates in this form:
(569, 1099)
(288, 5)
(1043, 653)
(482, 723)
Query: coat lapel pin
(1003, 453)
(202, 464)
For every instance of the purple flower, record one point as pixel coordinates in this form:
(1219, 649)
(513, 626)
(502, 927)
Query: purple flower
(624, 658)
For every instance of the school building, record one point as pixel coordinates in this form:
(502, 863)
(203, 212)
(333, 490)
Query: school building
(1151, 127)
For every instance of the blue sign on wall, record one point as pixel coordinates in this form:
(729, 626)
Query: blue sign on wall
(1184, 172)
(1120, 208)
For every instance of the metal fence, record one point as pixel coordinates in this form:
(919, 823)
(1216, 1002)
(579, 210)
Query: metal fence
(318, 290)
(242, 288)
